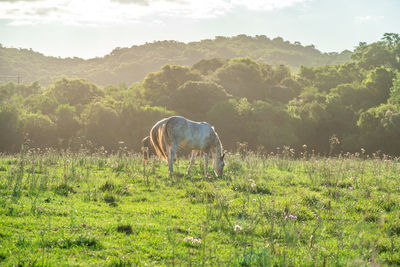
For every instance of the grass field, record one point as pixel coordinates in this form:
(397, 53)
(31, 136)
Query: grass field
(276, 210)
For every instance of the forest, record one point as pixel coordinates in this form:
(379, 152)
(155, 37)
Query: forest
(327, 103)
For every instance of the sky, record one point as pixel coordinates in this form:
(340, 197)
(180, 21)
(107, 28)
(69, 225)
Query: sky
(93, 28)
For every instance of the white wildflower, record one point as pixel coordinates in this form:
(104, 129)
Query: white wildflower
(237, 228)
(192, 240)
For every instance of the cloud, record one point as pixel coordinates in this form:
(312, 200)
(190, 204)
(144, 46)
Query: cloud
(364, 19)
(20, 23)
(110, 12)
(136, 2)
(144, 2)
(13, 1)
(265, 4)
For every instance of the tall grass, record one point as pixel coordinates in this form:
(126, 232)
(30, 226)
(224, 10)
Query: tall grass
(280, 209)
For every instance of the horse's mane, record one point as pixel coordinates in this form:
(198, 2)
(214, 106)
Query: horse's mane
(158, 135)
(218, 143)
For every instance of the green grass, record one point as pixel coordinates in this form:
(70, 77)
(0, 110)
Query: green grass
(77, 209)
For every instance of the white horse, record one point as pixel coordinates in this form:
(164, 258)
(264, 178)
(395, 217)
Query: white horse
(173, 132)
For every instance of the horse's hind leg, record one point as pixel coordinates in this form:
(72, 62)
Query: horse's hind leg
(206, 156)
(192, 158)
(171, 158)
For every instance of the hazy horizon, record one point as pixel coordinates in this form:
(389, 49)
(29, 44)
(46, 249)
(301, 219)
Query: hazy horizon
(154, 41)
(72, 28)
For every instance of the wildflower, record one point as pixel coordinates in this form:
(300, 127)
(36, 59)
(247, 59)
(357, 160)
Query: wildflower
(196, 241)
(192, 240)
(254, 200)
(114, 165)
(291, 217)
(237, 228)
(253, 185)
(188, 239)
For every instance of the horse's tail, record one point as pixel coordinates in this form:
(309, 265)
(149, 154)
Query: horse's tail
(158, 136)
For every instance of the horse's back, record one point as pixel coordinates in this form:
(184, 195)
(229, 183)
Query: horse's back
(188, 133)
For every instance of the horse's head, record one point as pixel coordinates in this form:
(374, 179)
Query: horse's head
(219, 165)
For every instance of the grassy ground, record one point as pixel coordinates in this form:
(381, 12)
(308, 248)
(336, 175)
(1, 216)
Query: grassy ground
(78, 209)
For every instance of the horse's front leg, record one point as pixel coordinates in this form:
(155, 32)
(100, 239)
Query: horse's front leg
(206, 156)
(171, 158)
(192, 159)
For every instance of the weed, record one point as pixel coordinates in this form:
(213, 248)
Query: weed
(109, 198)
(125, 228)
(70, 242)
(64, 189)
(3, 256)
(107, 186)
(120, 262)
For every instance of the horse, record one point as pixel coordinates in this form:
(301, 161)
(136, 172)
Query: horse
(169, 134)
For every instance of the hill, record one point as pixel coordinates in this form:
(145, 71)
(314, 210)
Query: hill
(129, 65)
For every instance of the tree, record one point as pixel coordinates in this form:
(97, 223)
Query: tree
(41, 103)
(136, 122)
(392, 41)
(395, 90)
(285, 91)
(242, 77)
(279, 73)
(40, 129)
(372, 56)
(270, 126)
(10, 135)
(378, 83)
(6, 91)
(380, 128)
(227, 122)
(67, 123)
(208, 66)
(101, 125)
(159, 86)
(195, 98)
(75, 92)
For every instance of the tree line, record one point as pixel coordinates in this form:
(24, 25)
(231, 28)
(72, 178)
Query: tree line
(330, 108)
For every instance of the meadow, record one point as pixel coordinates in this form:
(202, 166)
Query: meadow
(282, 209)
